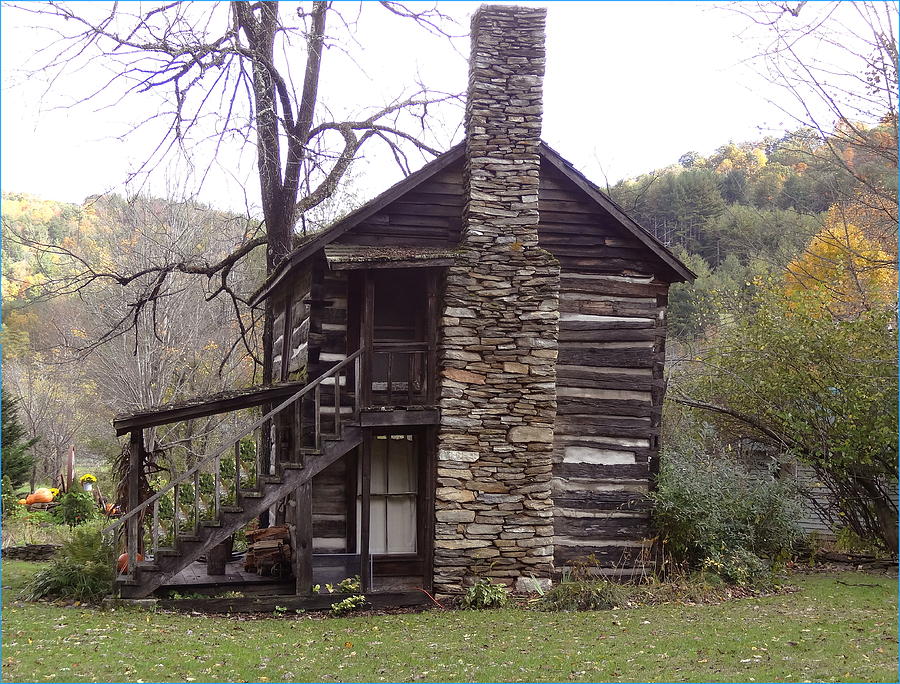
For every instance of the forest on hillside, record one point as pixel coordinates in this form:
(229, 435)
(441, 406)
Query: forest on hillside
(76, 349)
(785, 346)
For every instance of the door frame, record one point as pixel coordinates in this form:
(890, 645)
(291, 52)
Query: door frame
(388, 565)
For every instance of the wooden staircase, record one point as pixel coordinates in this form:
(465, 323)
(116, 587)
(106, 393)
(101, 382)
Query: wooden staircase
(168, 562)
(304, 462)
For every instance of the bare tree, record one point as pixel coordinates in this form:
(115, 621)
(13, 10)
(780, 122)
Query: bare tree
(233, 74)
(50, 405)
(837, 64)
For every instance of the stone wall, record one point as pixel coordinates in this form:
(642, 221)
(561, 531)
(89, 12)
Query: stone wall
(500, 325)
(31, 552)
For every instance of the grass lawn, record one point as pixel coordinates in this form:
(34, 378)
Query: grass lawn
(827, 631)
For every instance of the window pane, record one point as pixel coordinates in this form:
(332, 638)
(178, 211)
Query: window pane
(394, 482)
(401, 466)
(379, 461)
(378, 531)
(401, 522)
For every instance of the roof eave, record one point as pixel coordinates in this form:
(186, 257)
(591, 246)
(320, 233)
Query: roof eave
(565, 167)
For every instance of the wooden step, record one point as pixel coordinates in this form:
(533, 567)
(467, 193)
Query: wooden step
(189, 538)
(251, 495)
(169, 553)
(231, 509)
(210, 523)
(271, 479)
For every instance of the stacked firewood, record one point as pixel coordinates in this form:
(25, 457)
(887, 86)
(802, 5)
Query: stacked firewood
(269, 551)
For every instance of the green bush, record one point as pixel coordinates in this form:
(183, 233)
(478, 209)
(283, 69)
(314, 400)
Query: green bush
(75, 508)
(41, 518)
(11, 507)
(595, 594)
(348, 605)
(83, 570)
(485, 594)
(712, 514)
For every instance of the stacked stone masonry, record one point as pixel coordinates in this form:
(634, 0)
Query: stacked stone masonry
(499, 327)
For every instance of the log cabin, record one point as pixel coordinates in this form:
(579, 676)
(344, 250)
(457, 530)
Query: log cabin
(469, 374)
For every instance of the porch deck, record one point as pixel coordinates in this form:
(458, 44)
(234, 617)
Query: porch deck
(195, 579)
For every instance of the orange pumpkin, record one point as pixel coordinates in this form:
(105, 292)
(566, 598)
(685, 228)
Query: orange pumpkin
(122, 562)
(42, 495)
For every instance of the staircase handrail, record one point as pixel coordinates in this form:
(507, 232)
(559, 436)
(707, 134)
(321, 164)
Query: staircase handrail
(230, 444)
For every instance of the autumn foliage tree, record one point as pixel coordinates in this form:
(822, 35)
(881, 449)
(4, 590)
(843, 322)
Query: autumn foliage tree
(852, 269)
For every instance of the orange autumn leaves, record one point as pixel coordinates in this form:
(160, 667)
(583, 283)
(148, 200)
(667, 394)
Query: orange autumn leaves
(850, 266)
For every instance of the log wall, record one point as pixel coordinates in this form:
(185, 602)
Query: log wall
(609, 378)
(328, 345)
(429, 216)
(291, 329)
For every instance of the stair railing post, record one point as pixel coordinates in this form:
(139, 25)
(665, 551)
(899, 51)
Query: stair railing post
(297, 446)
(237, 470)
(177, 504)
(337, 404)
(155, 530)
(410, 374)
(357, 390)
(318, 417)
(196, 502)
(390, 378)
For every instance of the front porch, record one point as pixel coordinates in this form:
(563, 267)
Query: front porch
(353, 485)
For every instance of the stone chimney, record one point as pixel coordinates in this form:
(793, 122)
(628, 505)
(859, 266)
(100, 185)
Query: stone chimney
(500, 325)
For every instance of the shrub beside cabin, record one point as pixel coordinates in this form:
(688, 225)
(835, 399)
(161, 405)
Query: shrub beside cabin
(469, 371)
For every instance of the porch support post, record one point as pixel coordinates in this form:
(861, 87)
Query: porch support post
(365, 573)
(432, 315)
(302, 508)
(366, 337)
(135, 463)
(427, 520)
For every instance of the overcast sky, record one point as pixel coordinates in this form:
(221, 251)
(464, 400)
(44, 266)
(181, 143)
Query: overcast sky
(630, 86)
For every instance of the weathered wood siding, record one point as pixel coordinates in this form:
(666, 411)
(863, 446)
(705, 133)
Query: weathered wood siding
(609, 377)
(328, 321)
(429, 216)
(329, 509)
(328, 345)
(291, 328)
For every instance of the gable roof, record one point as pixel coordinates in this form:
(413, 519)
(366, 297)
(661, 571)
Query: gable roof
(313, 243)
(354, 218)
(605, 201)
